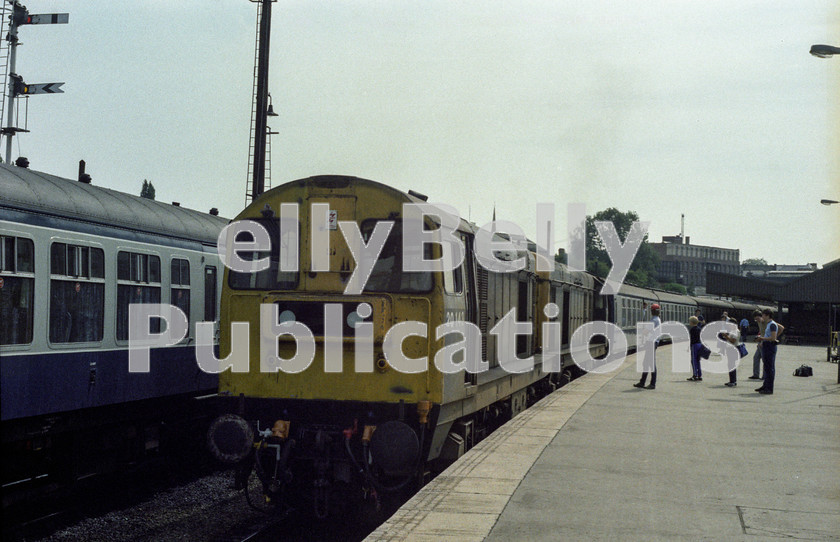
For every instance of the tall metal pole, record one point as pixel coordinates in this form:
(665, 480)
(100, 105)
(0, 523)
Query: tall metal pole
(10, 127)
(262, 101)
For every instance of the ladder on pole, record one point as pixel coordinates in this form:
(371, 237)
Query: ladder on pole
(249, 185)
(5, 50)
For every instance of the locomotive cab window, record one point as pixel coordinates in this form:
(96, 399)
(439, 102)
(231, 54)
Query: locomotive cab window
(453, 281)
(17, 289)
(388, 274)
(77, 293)
(282, 243)
(180, 288)
(138, 281)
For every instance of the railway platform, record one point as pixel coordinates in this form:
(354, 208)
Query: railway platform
(602, 460)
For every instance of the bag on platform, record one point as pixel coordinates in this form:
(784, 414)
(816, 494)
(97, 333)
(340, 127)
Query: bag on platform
(742, 350)
(803, 370)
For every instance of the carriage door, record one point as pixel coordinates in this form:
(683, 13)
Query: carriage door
(210, 294)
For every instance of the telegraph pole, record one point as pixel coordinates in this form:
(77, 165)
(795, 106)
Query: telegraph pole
(20, 16)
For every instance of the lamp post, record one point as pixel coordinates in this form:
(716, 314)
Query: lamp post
(826, 51)
(831, 311)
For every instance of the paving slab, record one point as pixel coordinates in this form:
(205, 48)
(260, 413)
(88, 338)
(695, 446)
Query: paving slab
(691, 461)
(602, 460)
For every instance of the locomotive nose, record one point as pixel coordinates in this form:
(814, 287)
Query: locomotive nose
(230, 438)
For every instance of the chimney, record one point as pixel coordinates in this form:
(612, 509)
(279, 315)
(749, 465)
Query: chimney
(83, 177)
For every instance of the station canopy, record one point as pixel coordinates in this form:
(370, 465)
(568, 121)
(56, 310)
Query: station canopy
(821, 286)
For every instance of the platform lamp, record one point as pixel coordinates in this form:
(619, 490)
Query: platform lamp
(824, 51)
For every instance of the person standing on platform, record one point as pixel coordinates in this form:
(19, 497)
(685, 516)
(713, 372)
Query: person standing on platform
(745, 327)
(768, 351)
(650, 354)
(700, 319)
(732, 338)
(757, 356)
(695, 345)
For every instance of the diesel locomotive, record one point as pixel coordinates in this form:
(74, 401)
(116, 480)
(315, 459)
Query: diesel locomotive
(352, 425)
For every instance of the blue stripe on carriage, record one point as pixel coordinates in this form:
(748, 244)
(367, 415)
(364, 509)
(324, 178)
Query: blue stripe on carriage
(38, 384)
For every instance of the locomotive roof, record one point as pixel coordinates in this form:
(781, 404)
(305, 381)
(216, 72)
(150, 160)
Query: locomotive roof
(37, 192)
(344, 181)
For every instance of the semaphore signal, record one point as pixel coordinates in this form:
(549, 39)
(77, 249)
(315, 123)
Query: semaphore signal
(17, 87)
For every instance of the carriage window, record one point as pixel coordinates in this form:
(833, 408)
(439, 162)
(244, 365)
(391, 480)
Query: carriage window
(180, 272)
(7, 253)
(180, 291)
(138, 281)
(77, 293)
(272, 278)
(387, 274)
(17, 290)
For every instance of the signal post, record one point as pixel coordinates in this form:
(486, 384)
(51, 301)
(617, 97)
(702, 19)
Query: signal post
(21, 16)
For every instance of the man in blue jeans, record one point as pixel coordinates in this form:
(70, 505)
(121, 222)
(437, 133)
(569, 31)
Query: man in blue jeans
(757, 356)
(768, 351)
(744, 327)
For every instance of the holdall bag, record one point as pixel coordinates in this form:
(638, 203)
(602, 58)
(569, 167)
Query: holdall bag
(803, 370)
(742, 350)
(704, 352)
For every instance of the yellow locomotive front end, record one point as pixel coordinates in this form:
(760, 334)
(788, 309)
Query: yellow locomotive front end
(343, 417)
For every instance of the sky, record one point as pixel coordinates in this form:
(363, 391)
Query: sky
(712, 109)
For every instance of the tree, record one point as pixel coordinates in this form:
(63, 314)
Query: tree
(148, 190)
(754, 261)
(674, 287)
(643, 269)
